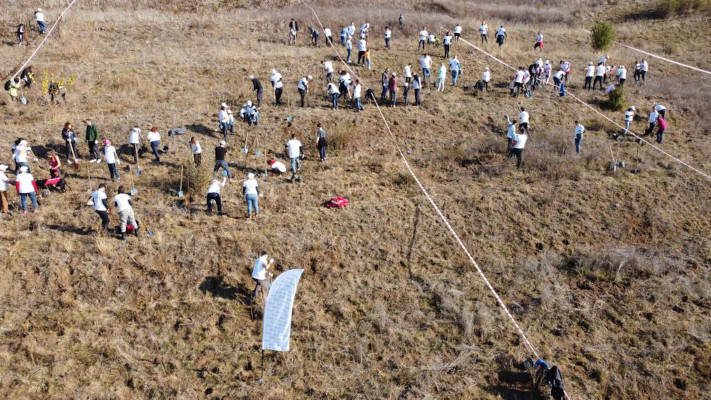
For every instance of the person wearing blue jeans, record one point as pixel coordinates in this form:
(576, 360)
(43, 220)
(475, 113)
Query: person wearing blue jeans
(26, 187)
(321, 142)
(154, 139)
(579, 130)
(250, 190)
(220, 154)
(33, 198)
(293, 147)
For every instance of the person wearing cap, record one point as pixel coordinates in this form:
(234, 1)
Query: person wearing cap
(112, 159)
(257, 87)
(441, 76)
(293, 147)
(101, 206)
(220, 154)
(123, 204)
(26, 187)
(20, 154)
(4, 180)
(92, 140)
(485, 78)
(661, 110)
(456, 69)
(304, 88)
(629, 117)
(213, 194)
(321, 142)
(39, 17)
(278, 84)
(260, 269)
(195, 150)
(547, 72)
(154, 139)
(589, 75)
(134, 140)
(251, 193)
(223, 118)
(276, 167)
(392, 88)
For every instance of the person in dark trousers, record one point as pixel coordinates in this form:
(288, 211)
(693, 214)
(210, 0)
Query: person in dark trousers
(416, 86)
(27, 76)
(662, 126)
(392, 88)
(321, 142)
(220, 154)
(293, 25)
(101, 206)
(385, 78)
(304, 89)
(213, 194)
(257, 87)
(519, 143)
(154, 140)
(401, 20)
(20, 34)
(92, 140)
(579, 131)
(70, 142)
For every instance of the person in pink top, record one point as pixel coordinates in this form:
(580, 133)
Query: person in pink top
(662, 126)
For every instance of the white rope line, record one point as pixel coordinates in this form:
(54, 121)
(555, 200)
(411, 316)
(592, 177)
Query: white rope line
(678, 160)
(434, 205)
(664, 59)
(46, 36)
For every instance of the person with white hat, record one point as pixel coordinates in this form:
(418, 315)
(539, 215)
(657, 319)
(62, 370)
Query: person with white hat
(223, 118)
(589, 75)
(101, 207)
(547, 72)
(629, 117)
(485, 78)
(257, 87)
(39, 17)
(4, 180)
(304, 88)
(220, 162)
(112, 159)
(213, 194)
(26, 187)
(251, 193)
(278, 84)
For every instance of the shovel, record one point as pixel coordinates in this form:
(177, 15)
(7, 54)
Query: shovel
(75, 165)
(139, 171)
(134, 190)
(180, 192)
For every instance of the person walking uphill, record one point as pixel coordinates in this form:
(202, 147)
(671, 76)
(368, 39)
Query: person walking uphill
(500, 35)
(70, 143)
(293, 147)
(92, 140)
(154, 140)
(39, 17)
(251, 193)
(220, 154)
(123, 203)
(321, 142)
(257, 87)
(213, 194)
(579, 130)
(112, 159)
(101, 207)
(26, 187)
(519, 143)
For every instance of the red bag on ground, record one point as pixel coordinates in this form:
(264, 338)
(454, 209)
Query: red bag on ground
(337, 202)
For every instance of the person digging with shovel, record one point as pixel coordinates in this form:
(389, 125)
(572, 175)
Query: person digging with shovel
(101, 206)
(123, 203)
(260, 269)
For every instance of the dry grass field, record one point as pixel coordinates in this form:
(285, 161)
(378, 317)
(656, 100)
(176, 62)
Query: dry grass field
(606, 272)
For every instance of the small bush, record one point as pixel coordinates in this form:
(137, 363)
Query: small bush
(615, 100)
(602, 35)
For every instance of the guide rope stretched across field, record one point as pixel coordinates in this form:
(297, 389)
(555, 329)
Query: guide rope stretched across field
(678, 160)
(49, 32)
(434, 205)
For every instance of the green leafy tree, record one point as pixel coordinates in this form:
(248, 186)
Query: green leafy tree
(602, 35)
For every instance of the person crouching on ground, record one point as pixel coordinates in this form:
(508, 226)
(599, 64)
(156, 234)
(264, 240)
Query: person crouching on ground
(123, 203)
(276, 167)
(250, 190)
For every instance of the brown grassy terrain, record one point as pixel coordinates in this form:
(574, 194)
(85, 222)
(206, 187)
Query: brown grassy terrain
(608, 273)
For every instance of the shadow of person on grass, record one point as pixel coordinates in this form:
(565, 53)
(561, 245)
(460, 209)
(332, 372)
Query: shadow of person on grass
(217, 287)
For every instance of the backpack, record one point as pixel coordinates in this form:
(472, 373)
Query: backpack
(7, 85)
(555, 380)
(337, 202)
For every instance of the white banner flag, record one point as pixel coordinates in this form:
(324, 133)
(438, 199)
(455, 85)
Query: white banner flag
(276, 330)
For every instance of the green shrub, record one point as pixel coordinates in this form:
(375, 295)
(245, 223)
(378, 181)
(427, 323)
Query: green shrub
(602, 35)
(616, 99)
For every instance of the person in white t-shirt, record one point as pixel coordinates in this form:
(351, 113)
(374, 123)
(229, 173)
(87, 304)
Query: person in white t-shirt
(407, 73)
(101, 207)
(423, 38)
(26, 187)
(154, 139)
(519, 143)
(644, 65)
(4, 180)
(276, 167)
(251, 193)
(599, 76)
(652, 120)
(213, 194)
(260, 270)
(447, 42)
(195, 150)
(278, 84)
(485, 78)
(349, 49)
(426, 63)
(329, 36)
(39, 17)
(112, 159)
(579, 131)
(457, 33)
(123, 204)
(661, 110)
(629, 117)
(224, 119)
(293, 147)
(134, 140)
(539, 42)
(621, 75)
(303, 88)
(20, 154)
(518, 81)
(483, 29)
(357, 89)
(362, 48)
(523, 118)
(510, 133)
(387, 36)
(589, 75)
(328, 68)
(500, 35)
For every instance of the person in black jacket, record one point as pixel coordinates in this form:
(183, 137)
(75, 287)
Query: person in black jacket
(257, 87)
(293, 30)
(70, 140)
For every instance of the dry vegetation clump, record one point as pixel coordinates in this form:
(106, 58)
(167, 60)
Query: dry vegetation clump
(606, 272)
